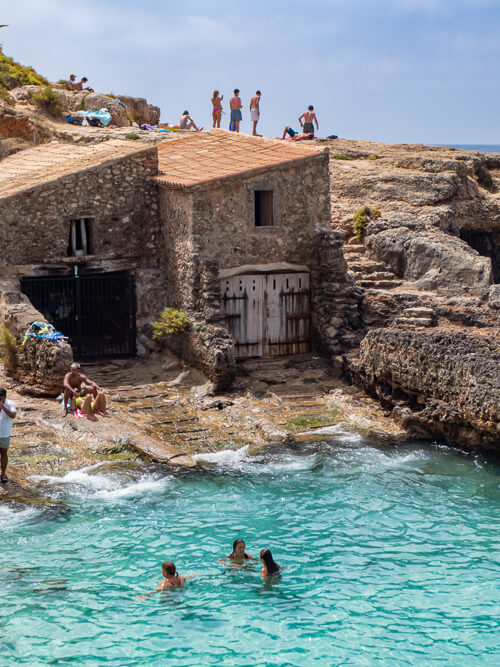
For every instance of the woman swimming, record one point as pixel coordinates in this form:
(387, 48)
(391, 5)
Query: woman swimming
(172, 579)
(238, 555)
(217, 108)
(270, 566)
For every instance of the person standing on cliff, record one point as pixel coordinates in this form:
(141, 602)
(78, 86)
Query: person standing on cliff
(235, 106)
(255, 112)
(7, 413)
(309, 117)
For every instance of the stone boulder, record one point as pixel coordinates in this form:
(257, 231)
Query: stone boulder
(432, 260)
(41, 364)
(140, 111)
(494, 297)
(96, 101)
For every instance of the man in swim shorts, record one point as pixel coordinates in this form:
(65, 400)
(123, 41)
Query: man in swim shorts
(255, 112)
(7, 414)
(296, 136)
(309, 117)
(73, 388)
(235, 106)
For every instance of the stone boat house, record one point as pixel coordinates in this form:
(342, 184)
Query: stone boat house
(233, 229)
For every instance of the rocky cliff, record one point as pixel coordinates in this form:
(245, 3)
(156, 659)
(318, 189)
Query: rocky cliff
(427, 269)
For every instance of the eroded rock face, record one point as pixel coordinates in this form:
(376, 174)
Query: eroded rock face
(432, 259)
(443, 384)
(41, 364)
(140, 111)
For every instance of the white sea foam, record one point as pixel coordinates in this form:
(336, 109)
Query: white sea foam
(12, 518)
(240, 461)
(226, 457)
(104, 486)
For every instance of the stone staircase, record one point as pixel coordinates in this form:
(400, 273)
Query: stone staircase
(368, 273)
(418, 316)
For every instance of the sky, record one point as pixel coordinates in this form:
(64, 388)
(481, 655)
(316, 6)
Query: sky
(381, 70)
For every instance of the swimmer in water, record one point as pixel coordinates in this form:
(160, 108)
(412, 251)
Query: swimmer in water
(270, 567)
(171, 580)
(238, 555)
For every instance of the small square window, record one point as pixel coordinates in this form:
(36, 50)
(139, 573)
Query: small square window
(264, 208)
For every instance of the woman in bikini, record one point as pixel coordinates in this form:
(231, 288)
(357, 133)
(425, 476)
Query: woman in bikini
(171, 579)
(217, 108)
(238, 556)
(271, 568)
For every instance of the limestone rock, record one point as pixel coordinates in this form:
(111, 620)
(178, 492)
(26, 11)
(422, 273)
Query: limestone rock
(494, 297)
(96, 101)
(139, 109)
(449, 380)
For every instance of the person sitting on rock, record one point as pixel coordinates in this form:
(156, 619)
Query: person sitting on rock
(187, 123)
(79, 85)
(77, 385)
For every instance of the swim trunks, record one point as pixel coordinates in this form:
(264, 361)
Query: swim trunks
(5, 442)
(291, 132)
(254, 114)
(308, 128)
(236, 115)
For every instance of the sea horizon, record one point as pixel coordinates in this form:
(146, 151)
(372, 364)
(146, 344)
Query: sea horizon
(483, 148)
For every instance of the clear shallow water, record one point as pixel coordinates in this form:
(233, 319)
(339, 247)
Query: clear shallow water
(391, 558)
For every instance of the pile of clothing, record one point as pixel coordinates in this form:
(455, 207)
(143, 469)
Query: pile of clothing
(45, 331)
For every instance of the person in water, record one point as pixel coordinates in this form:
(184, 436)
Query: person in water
(171, 579)
(217, 108)
(238, 555)
(270, 566)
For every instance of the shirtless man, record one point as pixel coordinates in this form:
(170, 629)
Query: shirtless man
(255, 112)
(309, 116)
(235, 106)
(187, 123)
(79, 84)
(73, 388)
(296, 136)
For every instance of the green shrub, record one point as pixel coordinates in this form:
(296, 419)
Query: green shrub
(8, 349)
(63, 83)
(13, 75)
(132, 135)
(171, 321)
(484, 177)
(362, 217)
(341, 156)
(48, 100)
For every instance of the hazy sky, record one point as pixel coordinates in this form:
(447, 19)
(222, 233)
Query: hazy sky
(387, 70)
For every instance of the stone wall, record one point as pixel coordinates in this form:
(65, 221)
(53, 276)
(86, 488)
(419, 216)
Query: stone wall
(120, 198)
(223, 215)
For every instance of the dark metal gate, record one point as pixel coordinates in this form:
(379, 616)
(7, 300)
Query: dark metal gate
(96, 312)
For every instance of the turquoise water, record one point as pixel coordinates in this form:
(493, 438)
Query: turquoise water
(391, 556)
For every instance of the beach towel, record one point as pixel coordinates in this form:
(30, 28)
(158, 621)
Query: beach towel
(102, 115)
(45, 331)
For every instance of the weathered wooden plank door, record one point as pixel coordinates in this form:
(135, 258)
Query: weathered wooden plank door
(243, 306)
(267, 315)
(287, 314)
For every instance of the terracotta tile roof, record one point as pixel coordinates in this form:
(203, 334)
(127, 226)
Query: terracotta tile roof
(36, 166)
(208, 156)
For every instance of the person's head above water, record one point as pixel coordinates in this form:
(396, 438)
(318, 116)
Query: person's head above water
(238, 549)
(168, 569)
(266, 558)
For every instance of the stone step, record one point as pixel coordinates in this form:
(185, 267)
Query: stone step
(365, 266)
(380, 275)
(414, 321)
(353, 249)
(419, 311)
(379, 284)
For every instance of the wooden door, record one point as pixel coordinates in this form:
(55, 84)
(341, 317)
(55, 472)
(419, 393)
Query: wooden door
(287, 313)
(267, 315)
(243, 305)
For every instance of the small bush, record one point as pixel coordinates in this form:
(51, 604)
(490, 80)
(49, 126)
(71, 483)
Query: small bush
(8, 349)
(132, 135)
(48, 100)
(63, 83)
(343, 157)
(362, 217)
(484, 177)
(172, 321)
